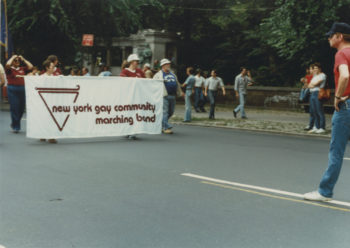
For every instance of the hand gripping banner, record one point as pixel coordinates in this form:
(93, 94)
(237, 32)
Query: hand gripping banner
(83, 107)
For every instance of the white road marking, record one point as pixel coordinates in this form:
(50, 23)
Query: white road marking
(346, 158)
(275, 191)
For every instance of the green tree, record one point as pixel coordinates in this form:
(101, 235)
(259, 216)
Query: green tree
(295, 30)
(42, 27)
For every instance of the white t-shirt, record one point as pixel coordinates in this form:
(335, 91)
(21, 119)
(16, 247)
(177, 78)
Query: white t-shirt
(317, 78)
(200, 81)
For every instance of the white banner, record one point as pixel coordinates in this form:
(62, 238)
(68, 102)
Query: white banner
(82, 107)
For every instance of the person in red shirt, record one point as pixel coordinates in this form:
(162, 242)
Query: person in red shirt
(16, 68)
(132, 70)
(339, 38)
(54, 59)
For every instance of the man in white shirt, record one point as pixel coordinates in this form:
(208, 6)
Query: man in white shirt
(211, 90)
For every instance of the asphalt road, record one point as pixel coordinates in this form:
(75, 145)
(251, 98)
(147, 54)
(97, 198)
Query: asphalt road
(114, 192)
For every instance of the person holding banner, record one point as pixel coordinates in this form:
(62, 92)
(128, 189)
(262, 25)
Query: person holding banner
(15, 88)
(132, 70)
(172, 88)
(50, 70)
(56, 71)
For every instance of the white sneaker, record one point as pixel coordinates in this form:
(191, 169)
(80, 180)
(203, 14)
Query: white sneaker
(321, 130)
(315, 196)
(313, 130)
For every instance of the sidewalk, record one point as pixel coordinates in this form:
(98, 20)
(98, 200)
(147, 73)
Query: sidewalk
(264, 120)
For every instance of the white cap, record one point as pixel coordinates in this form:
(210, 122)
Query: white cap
(133, 57)
(147, 65)
(164, 62)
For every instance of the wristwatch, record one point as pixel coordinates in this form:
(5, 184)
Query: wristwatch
(337, 97)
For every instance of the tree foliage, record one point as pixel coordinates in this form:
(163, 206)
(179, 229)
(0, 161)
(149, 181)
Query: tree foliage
(42, 27)
(275, 38)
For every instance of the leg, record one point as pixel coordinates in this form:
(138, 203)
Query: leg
(165, 124)
(212, 104)
(196, 98)
(241, 103)
(14, 101)
(322, 117)
(340, 136)
(314, 99)
(188, 105)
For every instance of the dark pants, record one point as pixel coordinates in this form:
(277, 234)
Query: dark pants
(317, 111)
(17, 100)
(212, 98)
(198, 98)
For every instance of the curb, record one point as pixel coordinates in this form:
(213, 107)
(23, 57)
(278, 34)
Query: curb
(305, 135)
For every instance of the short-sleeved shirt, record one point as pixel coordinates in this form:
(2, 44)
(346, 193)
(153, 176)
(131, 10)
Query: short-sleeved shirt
(190, 81)
(15, 75)
(105, 74)
(342, 57)
(200, 81)
(129, 73)
(317, 78)
(241, 83)
(215, 83)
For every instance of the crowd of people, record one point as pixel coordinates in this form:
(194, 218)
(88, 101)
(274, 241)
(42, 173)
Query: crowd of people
(205, 89)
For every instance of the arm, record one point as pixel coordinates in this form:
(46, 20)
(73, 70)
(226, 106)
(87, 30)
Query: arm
(179, 91)
(342, 85)
(2, 79)
(222, 87)
(9, 62)
(223, 90)
(29, 65)
(314, 84)
(236, 87)
(250, 83)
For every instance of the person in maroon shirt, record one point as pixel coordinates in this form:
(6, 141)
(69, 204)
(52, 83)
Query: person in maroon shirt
(132, 70)
(16, 68)
(339, 38)
(54, 59)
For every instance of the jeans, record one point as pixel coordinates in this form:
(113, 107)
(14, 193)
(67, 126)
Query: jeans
(168, 110)
(340, 136)
(212, 99)
(317, 109)
(188, 105)
(198, 98)
(17, 100)
(240, 107)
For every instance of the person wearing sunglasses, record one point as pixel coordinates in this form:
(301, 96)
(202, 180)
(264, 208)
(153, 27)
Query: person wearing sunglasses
(16, 67)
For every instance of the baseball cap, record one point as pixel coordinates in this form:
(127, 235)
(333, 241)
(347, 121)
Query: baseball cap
(147, 65)
(133, 57)
(339, 27)
(164, 62)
